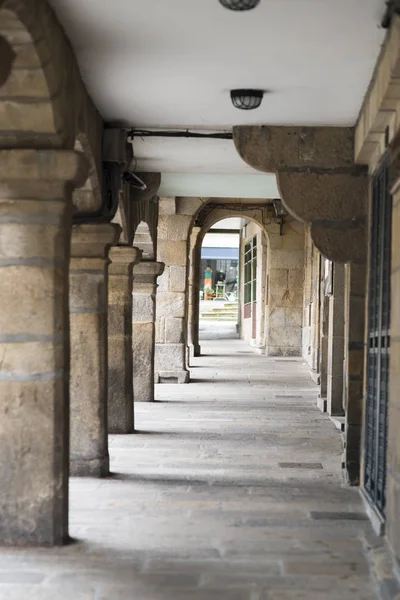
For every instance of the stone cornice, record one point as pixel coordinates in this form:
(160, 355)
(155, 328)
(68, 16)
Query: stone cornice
(380, 112)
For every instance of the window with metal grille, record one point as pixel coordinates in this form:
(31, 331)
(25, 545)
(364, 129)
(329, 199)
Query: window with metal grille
(378, 341)
(250, 271)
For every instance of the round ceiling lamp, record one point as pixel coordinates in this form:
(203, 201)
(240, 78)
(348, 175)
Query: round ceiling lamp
(247, 99)
(239, 4)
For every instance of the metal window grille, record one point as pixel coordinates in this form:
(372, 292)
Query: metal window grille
(250, 271)
(378, 341)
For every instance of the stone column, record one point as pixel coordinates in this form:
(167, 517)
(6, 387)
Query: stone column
(88, 326)
(120, 357)
(355, 286)
(336, 343)
(35, 229)
(194, 294)
(171, 324)
(143, 328)
(324, 356)
(285, 270)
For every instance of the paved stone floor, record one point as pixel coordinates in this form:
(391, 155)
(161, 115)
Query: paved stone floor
(231, 490)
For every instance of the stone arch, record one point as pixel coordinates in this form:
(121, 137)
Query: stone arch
(143, 240)
(288, 248)
(32, 112)
(219, 214)
(43, 100)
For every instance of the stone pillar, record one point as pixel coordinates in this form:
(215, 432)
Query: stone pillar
(35, 229)
(171, 324)
(355, 289)
(194, 294)
(324, 355)
(285, 270)
(88, 326)
(336, 343)
(145, 276)
(120, 357)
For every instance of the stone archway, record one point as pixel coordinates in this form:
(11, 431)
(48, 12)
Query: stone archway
(283, 277)
(33, 112)
(143, 240)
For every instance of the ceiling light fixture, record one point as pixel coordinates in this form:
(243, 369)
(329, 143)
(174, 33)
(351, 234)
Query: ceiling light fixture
(247, 99)
(239, 4)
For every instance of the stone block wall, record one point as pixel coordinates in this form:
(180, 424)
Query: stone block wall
(285, 269)
(172, 306)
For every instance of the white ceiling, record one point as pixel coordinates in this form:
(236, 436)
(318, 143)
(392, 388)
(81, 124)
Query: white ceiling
(188, 155)
(219, 186)
(171, 64)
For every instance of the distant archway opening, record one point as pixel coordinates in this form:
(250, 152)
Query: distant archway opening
(144, 241)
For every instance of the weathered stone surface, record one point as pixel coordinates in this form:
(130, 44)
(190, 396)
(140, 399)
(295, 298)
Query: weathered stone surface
(167, 205)
(120, 357)
(270, 149)
(336, 344)
(143, 307)
(189, 206)
(169, 358)
(336, 207)
(325, 197)
(344, 239)
(34, 344)
(380, 106)
(173, 249)
(172, 253)
(178, 279)
(143, 328)
(173, 227)
(354, 358)
(174, 330)
(88, 327)
(171, 304)
(7, 58)
(318, 182)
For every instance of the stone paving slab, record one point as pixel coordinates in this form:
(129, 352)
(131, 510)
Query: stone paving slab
(199, 507)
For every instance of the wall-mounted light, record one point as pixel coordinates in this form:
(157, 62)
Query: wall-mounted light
(280, 210)
(247, 99)
(239, 4)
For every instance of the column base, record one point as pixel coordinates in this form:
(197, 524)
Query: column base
(351, 459)
(194, 350)
(322, 403)
(96, 467)
(142, 399)
(315, 376)
(172, 377)
(121, 430)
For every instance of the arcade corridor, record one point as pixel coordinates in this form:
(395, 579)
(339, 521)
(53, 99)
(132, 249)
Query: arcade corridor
(230, 490)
